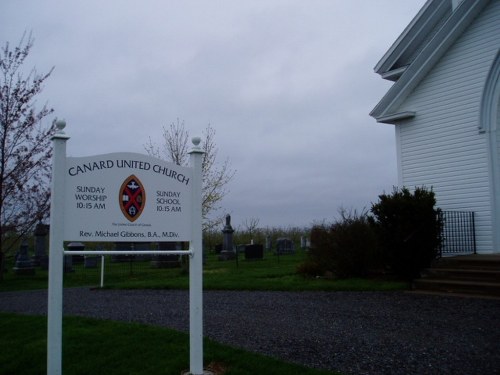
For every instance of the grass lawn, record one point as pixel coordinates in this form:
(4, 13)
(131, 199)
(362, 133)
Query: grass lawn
(271, 273)
(96, 347)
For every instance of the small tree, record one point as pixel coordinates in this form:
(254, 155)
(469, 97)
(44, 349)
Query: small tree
(409, 230)
(25, 148)
(216, 177)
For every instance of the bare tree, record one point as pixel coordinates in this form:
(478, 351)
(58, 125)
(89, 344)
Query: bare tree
(216, 176)
(250, 229)
(175, 144)
(25, 148)
(251, 225)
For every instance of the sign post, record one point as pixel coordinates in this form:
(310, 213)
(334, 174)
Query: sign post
(124, 197)
(56, 254)
(196, 268)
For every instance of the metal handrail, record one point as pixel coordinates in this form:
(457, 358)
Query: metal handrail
(458, 232)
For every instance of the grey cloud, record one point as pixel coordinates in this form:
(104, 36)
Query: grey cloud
(286, 84)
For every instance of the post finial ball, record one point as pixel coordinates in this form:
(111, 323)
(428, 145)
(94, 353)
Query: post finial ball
(60, 124)
(196, 140)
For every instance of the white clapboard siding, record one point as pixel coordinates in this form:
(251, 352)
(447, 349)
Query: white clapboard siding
(497, 130)
(442, 147)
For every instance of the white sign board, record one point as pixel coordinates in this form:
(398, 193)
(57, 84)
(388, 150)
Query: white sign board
(126, 197)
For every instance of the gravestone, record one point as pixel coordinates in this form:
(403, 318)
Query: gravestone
(305, 243)
(269, 243)
(70, 259)
(285, 246)
(131, 246)
(142, 246)
(122, 246)
(227, 252)
(23, 265)
(254, 252)
(218, 248)
(40, 258)
(90, 261)
(169, 260)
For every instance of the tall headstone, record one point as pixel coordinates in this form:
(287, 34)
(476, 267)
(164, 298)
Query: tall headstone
(23, 265)
(227, 252)
(40, 258)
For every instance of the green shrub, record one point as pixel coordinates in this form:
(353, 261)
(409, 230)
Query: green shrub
(347, 248)
(408, 229)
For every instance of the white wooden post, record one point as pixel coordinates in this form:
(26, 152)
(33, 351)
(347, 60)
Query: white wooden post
(102, 271)
(56, 253)
(196, 265)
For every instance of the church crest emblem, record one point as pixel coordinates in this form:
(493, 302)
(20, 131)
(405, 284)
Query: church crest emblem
(132, 198)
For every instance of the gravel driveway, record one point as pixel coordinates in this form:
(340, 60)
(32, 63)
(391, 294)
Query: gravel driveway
(352, 332)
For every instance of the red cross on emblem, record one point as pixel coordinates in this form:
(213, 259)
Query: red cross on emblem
(132, 198)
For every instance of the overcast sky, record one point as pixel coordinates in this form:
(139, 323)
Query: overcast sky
(287, 85)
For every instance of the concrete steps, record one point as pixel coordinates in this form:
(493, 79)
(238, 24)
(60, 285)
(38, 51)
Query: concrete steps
(470, 275)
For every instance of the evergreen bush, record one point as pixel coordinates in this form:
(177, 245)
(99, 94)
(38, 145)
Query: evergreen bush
(408, 228)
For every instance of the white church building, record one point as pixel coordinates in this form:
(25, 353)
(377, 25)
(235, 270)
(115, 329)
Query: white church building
(445, 108)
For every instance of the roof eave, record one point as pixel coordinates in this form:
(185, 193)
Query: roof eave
(393, 75)
(396, 117)
(401, 44)
(428, 57)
